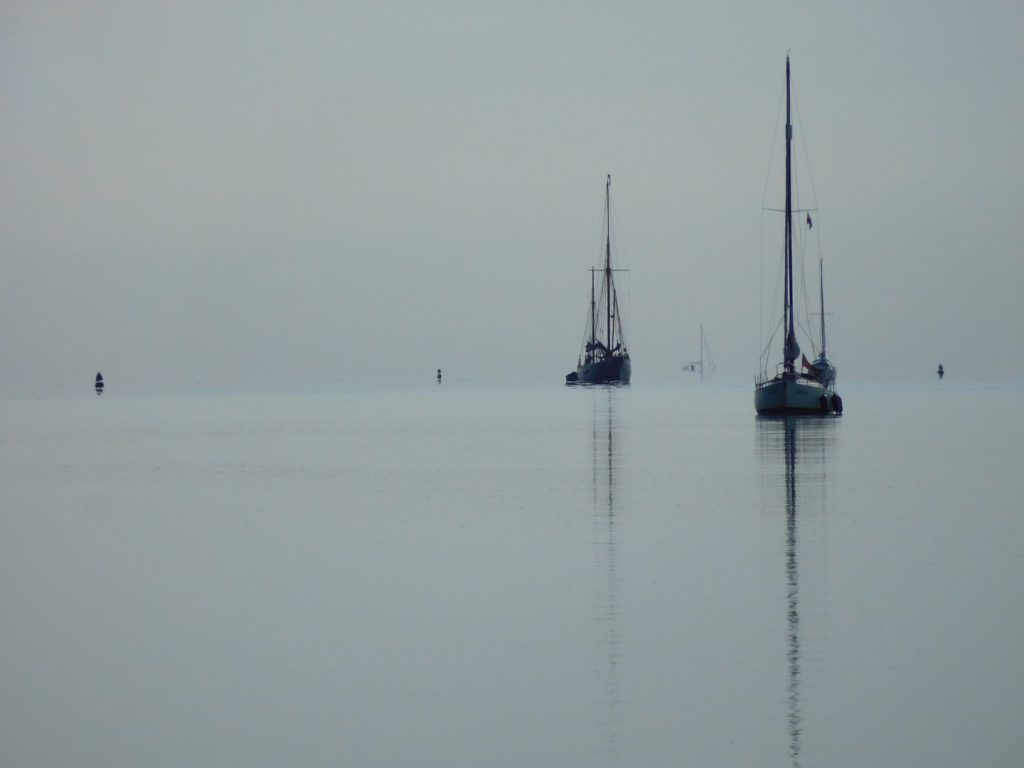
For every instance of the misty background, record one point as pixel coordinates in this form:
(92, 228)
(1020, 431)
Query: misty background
(315, 195)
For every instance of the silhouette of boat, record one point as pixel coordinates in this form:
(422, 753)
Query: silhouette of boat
(604, 358)
(809, 388)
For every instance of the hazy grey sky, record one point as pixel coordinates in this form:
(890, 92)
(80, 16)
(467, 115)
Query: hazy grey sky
(226, 195)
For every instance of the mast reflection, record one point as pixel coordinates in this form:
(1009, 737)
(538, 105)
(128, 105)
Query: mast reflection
(606, 580)
(792, 593)
(801, 443)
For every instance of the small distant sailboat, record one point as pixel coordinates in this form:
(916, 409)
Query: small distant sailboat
(942, 371)
(99, 383)
(706, 363)
(791, 391)
(604, 359)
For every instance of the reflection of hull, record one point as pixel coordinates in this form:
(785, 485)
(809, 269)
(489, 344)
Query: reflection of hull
(606, 582)
(795, 456)
(611, 370)
(792, 394)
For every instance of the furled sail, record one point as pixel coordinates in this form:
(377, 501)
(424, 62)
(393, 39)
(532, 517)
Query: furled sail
(792, 350)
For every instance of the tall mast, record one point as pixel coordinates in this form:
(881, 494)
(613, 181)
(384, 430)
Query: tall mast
(608, 256)
(593, 310)
(821, 288)
(791, 349)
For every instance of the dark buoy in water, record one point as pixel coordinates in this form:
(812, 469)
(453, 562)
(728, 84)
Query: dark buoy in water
(438, 375)
(99, 383)
(942, 371)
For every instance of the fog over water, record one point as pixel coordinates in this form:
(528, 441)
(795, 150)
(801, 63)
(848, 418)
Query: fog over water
(507, 577)
(274, 540)
(229, 195)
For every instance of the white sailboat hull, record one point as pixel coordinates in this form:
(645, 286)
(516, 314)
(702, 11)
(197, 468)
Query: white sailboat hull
(792, 394)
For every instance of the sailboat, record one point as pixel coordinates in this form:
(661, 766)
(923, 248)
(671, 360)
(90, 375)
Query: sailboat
(791, 390)
(604, 358)
(99, 383)
(822, 368)
(706, 363)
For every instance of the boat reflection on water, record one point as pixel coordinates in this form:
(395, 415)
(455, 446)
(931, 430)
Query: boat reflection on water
(605, 578)
(797, 449)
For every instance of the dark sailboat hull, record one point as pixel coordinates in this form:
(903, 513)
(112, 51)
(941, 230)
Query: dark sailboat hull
(613, 370)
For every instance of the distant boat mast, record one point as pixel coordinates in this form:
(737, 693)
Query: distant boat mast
(705, 352)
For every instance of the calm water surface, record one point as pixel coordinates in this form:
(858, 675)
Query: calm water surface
(512, 577)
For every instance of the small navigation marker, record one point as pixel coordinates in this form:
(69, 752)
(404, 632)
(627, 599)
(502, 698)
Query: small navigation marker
(99, 383)
(438, 375)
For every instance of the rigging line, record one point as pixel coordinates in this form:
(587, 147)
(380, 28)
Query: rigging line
(780, 277)
(802, 320)
(597, 238)
(777, 295)
(807, 156)
(621, 258)
(800, 253)
(760, 292)
(803, 267)
(629, 305)
(597, 244)
(766, 352)
(780, 271)
(586, 329)
(775, 138)
(764, 197)
(766, 317)
(814, 194)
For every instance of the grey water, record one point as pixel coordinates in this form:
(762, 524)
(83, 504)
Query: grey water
(536, 576)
